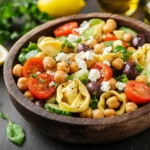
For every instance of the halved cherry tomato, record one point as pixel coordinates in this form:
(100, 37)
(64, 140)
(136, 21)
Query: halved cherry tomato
(137, 92)
(75, 32)
(32, 65)
(65, 29)
(39, 86)
(105, 70)
(110, 37)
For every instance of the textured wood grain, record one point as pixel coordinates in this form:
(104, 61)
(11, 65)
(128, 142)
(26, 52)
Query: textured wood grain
(76, 130)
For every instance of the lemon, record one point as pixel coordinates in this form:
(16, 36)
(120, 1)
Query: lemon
(59, 8)
(3, 54)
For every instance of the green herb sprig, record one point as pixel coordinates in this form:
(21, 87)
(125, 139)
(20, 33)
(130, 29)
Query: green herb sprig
(138, 67)
(123, 78)
(123, 50)
(15, 132)
(67, 43)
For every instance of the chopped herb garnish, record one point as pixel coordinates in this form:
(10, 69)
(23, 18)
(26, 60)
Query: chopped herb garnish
(67, 43)
(34, 75)
(55, 85)
(78, 40)
(123, 78)
(41, 80)
(69, 78)
(110, 43)
(93, 103)
(124, 51)
(138, 67)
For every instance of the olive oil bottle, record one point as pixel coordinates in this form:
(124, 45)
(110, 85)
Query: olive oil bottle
(147, 12)
(124, 7)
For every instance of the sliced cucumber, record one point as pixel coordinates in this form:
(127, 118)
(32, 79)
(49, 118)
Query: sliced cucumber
(55, 109)
(95, 21)
(128, 30)
(61, 38)
(82, 75)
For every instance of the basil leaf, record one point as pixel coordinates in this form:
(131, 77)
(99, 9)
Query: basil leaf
(2, 115)
(15, 133)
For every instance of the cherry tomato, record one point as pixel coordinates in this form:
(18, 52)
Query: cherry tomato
(110, 37)
(137, 92)
(32, 66)
(105, 70)
(65, 29)
(126, 45)
(75, 32)
(39, 86)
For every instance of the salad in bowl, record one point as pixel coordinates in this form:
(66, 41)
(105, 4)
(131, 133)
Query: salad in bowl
(95, 69)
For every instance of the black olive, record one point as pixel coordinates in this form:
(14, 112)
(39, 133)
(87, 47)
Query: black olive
(138, 41)
(130, 70)
(94, 89)
(83, 47)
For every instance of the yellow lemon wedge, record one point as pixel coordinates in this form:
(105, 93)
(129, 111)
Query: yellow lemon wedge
(59, 8)
(3, 54)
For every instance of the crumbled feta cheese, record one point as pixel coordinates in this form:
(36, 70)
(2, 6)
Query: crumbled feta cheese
(106, 62)
(51, 72)
(107, 50)
(82, 64)
(83, 23)
(38, 72)
(72, 38)
(105, 86)
(120, 86)
(89, 55)
(94, 75)
(61, 57)
(80, 56)
(91, 38)
(52, 83)
(80, 30)
(117, 42)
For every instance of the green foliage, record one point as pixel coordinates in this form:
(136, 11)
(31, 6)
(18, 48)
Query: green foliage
(138, 67)
(123, 78)
(18, 17)
(121, 49)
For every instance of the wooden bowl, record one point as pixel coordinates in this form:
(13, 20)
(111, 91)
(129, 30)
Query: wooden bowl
(69, 129)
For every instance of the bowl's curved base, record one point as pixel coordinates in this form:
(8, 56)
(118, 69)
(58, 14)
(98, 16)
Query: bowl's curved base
(85, 134)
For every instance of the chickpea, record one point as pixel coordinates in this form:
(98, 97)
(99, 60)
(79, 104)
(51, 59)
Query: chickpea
(49, 62)
(71, 56)
(91, 43)
(29, 95)
(74, 67)
(141, 78)
(41, 55)
(18, 70)
(97, 113)
(127, 37)
(131, 49)
(109, 112)
(118, 63)
(60, 76)
(112, 83)
(87, 113)
(90, 63)
(63, 66)
(22, 83)
(98, 48)
(113, 102)
(112, 22)
(108, 28)
(130, 106)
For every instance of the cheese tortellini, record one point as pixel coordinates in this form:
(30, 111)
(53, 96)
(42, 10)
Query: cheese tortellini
(73, 96)
(121, 98)
(142, 55)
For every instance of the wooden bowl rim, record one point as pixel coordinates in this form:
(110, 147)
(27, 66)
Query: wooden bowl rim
(19, 97)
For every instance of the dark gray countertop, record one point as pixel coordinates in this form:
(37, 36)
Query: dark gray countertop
(38, 141)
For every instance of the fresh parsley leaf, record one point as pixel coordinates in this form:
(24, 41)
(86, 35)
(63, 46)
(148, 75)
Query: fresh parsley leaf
(138, 67)
(68, 44)
(93, 103)
(41, 81)
(15, 133)
(2, 115)
(110, 43)
(64, 44)
(34, 75)
(123, 78)
(78, 40)
(55, 85)
(69, 78)
(122, 49)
